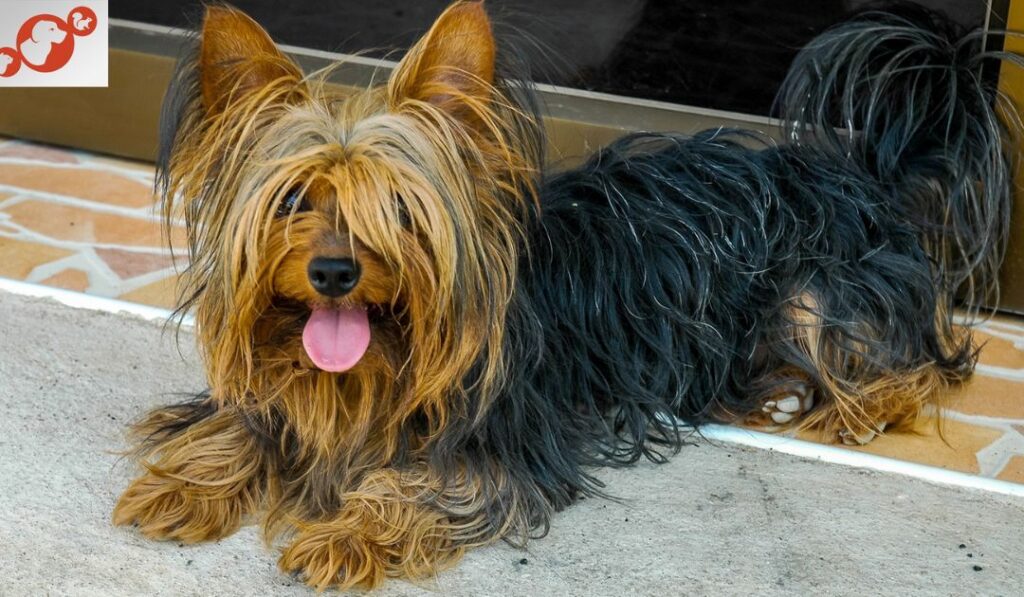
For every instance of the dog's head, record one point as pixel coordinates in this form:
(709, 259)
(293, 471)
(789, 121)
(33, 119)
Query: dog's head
(47, 31)
(338, 235)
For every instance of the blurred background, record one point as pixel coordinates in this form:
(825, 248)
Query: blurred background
(723, 54)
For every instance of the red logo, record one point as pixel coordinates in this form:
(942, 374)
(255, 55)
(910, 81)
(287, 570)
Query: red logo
(46, 42)
(10, 62)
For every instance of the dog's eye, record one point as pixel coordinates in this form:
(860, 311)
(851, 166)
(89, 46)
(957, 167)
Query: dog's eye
(403, 212)
(293, 201)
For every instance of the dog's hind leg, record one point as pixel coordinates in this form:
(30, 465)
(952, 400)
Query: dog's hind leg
(855, 412)
(863, 384)
(205, 472)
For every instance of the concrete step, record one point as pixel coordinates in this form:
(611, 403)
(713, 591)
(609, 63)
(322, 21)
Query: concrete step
(718, 519)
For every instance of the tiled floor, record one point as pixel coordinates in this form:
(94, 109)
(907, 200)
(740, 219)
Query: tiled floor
(84, 223)
(89, 223)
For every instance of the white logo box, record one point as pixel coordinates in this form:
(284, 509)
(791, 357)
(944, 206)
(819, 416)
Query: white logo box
(45, 47)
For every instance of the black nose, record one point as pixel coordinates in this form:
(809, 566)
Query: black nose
(333, 277)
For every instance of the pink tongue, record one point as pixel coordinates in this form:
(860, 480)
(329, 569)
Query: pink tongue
(335, 339)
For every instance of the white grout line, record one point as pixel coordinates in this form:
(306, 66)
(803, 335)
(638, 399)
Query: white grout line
(1005, 325)
(22, 233)
(722, 433)
(144, 212)
(986, 323)
(136, 176)
(1003, 424)
(1014, 338)
(151, 212)
(1013, 374)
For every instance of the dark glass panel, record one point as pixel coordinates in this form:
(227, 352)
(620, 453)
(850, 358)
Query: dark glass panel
(722, 54)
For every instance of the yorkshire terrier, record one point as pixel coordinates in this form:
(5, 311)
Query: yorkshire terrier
(418, 339)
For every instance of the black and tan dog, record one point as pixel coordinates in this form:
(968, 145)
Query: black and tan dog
(418, 340)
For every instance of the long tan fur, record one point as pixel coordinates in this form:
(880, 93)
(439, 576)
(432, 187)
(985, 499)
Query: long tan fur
(424, 180)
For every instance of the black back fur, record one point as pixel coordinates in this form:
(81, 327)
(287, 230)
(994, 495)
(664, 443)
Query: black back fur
(655, 288)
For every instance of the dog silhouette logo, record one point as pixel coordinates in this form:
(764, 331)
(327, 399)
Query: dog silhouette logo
(44, 33)
(46, 42)
(10, 62)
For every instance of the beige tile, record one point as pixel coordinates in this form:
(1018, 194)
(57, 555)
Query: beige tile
(69, 279)
(157, 294)
(71, 223)
(999, 352)
(18, 258)
(93, 185)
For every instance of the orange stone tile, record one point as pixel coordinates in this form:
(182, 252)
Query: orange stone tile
(64, 222)
(1013, 471)
(37, 152)
(93, 185)
(990, 397)
(18, 258)
(70, 279)
(954, 450)
(999, 352)
(127, 264)
(158, 294)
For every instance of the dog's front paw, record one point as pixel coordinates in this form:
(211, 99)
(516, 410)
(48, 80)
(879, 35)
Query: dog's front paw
(168, 508)
(326, 557)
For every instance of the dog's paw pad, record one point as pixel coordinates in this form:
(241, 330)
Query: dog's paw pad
(807, 403)
(791, 406)
(850, 438)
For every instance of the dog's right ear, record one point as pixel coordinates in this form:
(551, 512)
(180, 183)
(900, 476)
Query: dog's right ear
(237, 57)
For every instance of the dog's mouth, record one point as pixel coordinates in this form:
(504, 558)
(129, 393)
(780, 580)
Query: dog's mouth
(336, 338)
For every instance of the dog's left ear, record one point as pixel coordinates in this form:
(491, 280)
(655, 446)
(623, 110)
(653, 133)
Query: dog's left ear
(452, 65)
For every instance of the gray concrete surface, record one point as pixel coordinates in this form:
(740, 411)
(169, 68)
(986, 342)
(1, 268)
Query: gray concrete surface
(717, 520)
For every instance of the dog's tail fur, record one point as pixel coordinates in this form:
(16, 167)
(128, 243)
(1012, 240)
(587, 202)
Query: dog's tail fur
(906, 96)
